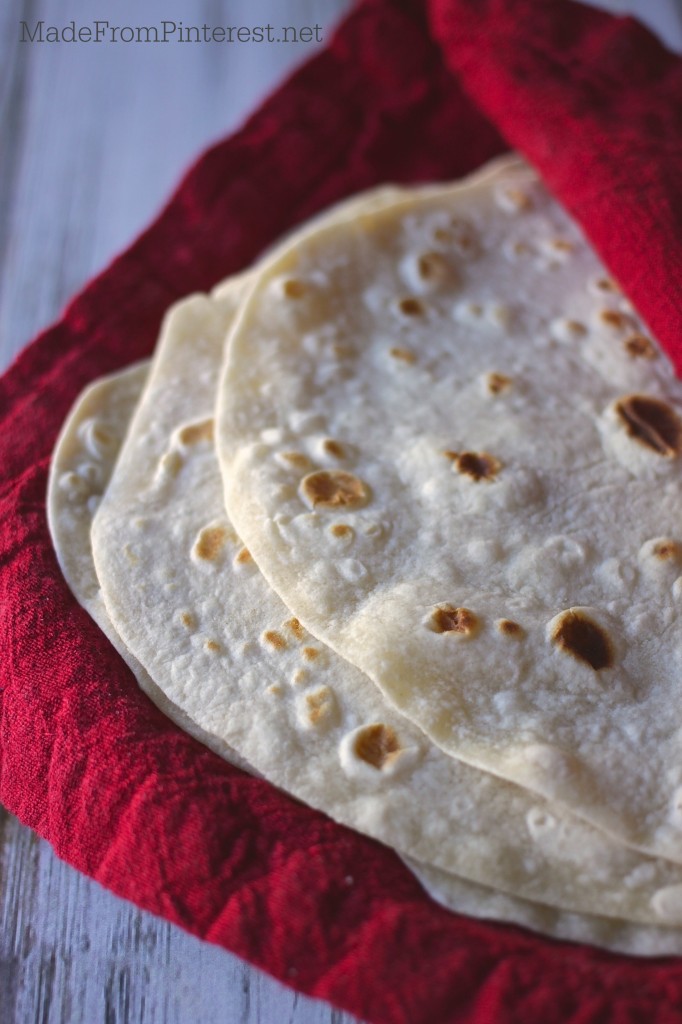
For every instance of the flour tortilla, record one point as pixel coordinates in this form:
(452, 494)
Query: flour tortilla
(190, 604)
(459, 370)
(87, 448)
(82, 465)
(80, 470)
(465, 897)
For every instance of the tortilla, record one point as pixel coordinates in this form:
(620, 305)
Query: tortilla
(465, 897)
(81, 467)
(190, 604)
(484, 511)
(87, 448)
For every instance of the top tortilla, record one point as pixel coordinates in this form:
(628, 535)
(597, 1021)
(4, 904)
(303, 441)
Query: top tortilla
(81, 467)
(492, 437)
(189, 603)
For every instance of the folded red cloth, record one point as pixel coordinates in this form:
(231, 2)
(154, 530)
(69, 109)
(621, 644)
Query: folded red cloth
(595, 103)
(86, 760)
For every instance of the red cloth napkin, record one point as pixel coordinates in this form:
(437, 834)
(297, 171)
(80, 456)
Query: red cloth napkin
(86, 760)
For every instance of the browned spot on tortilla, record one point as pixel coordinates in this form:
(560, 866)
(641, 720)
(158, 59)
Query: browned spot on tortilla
(651, 422)
(342, 351)
(296, 459)
(576, 328)
(321, 706)
(561, 245)
(410, 307)
(101, 434)
(275, 639)
(195, 432)
(606, 284)
(212, 645)
(639, 347)
(497, 383)
(211, 542)
(243, 556)
(443, 235)
(293, 288)
(377, 745)
(518, 199)
(576, 634)
(296, 628)
(449, 619)
(341, 530)
(331, 447)
(188, 620)
(613, 318)
(667, 551)
(276, 690)
(404, 354)
(432, 266)
(333, 489)
(311, 653)
(510, 628)
(477, 465)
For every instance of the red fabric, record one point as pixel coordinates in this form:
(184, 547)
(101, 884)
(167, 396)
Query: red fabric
(595, 103)
(86, 760)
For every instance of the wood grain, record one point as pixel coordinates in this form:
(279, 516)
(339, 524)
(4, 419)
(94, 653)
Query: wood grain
(91, 142)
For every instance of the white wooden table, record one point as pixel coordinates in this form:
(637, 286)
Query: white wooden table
(91, 142)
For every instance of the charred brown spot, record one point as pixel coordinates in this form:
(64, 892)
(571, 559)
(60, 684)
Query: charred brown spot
(275, 639)
(431, 266)
(448, 619)
(576, 634)
(296, 628)
(410, 307)
(477, 465)
(667, 551)
(342, 351)
(321, 706)
(188, 620)
(497, 383)
(211, 542)
(296, 459)
(404, 354)
(333, 489)
(243, 556)
(612, 318)
(651, 422)
(341, 530)
(508, 627)
(333, 448)
(293, 288)
(377, 745)
(561, 245)
(195, 432)
(606, 284)
(639, 347)
(102, 435)
(575, 328)
(310, 653)
(213, 645)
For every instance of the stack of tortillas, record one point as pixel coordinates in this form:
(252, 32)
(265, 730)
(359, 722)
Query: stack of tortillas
(407, 544)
